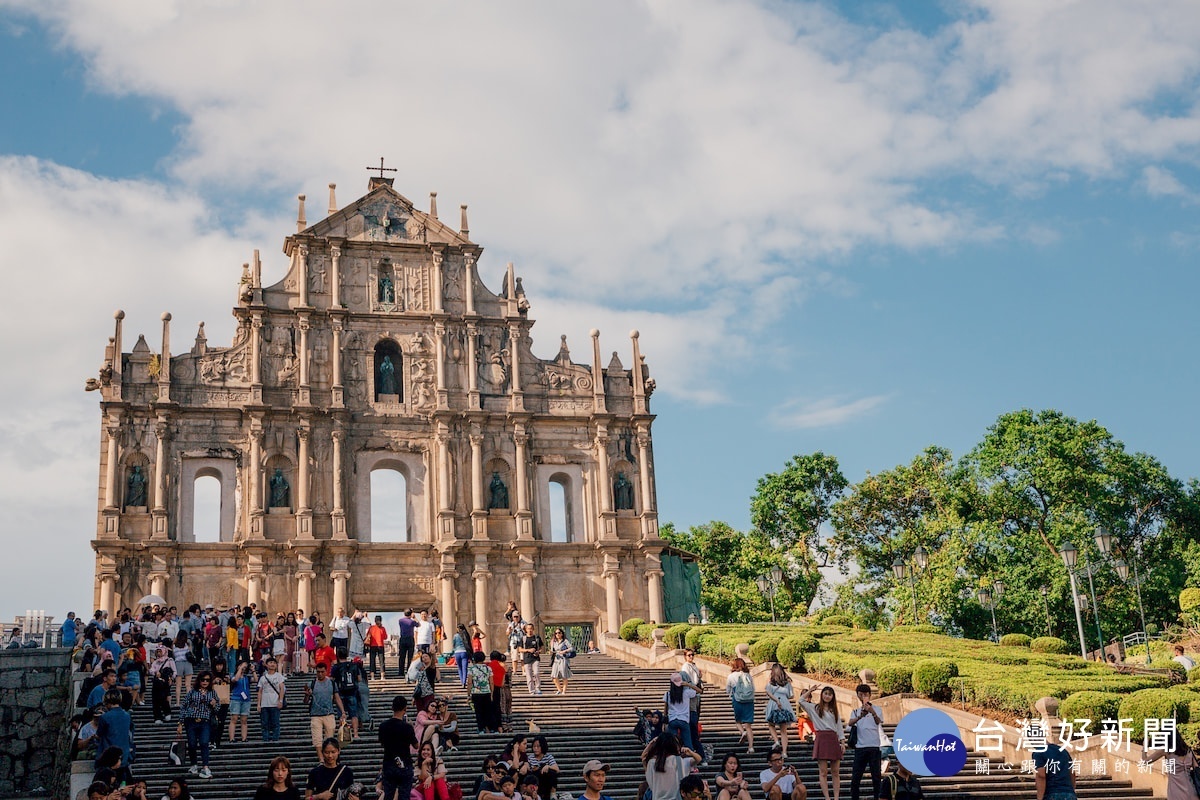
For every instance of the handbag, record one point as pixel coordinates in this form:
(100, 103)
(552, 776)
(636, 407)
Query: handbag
(345, 736)
(852, 737)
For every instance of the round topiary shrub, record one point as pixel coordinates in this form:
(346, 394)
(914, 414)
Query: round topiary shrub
(692, 638)
(931, 678)
(1095, 706)
(893, 679)
(1189, 599)
(676, 633)
(710, 644)
(645, 631)
(1015, 640)
(839, 619)
(629, 627)
(790, 651)
(1153, 704)
(764, 650)
(1049, 644)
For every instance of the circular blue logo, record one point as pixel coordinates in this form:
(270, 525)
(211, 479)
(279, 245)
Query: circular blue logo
(928, 742)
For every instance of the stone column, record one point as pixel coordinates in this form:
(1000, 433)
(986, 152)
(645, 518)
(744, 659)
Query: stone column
(302, 273)
(108, 585)
(256, 324)
(524, 517)
(254, 589)
(158, 508)
(639, 381)
(438, 258)
(255, 479)
(643, 442)
(118, 359)
(304, 580)
(302, 346)
(111, 497)
(602, 480)
(158, 584)
(439, 341)
(469, 281)
(302, 470)
(339, 577)
(472, 366)
(164, 366)
(654, 589)
(612, 597)
(481, 595)
(335, 284)
(449, 611)
(338, 389)
(527, 593)
(339, 511)
(443, 468)
(477, 503)
(514, 341)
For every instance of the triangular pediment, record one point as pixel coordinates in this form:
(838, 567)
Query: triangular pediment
(385, 215)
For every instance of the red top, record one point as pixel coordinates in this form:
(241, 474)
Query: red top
(497, 673)
(376, 636)
(325, 655)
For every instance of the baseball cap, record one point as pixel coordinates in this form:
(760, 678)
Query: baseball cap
(595, 765)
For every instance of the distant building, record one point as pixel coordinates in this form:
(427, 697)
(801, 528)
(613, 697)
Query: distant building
(381, 349)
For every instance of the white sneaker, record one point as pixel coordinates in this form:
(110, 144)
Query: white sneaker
(195, 770)
(205, 772)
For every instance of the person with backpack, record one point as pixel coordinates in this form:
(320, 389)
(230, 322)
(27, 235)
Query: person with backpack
(740, 688)
(240, 692)
(346, 676)
(323, 700)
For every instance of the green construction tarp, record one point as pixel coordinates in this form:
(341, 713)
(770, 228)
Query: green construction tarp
(681, 588)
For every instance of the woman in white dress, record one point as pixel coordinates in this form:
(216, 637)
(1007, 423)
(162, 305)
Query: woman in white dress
(779, 711)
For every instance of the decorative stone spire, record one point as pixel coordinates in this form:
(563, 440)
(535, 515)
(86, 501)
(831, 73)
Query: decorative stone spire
(301, 223)
(463, 228)
(598, 399)
(433, 204)
(332, 199)
(201, 346)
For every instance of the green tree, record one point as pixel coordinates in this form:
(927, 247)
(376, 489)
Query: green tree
(730, 560)
(790, 507)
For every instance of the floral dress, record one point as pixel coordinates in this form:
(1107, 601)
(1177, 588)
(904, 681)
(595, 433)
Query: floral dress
(779, 704)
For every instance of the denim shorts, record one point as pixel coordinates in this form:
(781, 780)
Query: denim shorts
(239, 708)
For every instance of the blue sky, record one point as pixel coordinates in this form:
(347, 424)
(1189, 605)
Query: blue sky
(844, 227)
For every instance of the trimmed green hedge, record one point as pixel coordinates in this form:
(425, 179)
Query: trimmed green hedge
(629, 628)
(931, 678)
(644, 632)
(1095, 706)
(1193, 675)
(893, 679)
(764, 650)
(1154, 704)
(1049, 644)
(791, 650)
(692, 637)
(839, 619)
(676, 633)
(916, 628)
(1015, 640)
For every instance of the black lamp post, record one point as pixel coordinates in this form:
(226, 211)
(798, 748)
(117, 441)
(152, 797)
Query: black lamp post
(768, 585)
(902, 570)
(1104, 540)
(1070, 556)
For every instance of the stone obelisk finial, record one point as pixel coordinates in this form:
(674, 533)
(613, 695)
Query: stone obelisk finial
(433, 204)
(301, 223)
(462, 227)
(332, 199)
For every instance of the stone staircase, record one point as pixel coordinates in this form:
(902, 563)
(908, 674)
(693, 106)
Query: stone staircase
(594, 720)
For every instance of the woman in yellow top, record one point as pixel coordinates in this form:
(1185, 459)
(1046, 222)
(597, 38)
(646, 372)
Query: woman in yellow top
(231, 644)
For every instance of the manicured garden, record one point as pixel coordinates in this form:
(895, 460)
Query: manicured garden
(1005, 679)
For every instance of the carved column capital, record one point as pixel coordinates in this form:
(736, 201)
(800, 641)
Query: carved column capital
(335, 251)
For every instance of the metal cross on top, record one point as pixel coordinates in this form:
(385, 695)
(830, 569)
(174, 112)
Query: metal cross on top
(382, 169)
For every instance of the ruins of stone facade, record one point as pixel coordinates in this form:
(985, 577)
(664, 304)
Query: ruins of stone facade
(381, 349)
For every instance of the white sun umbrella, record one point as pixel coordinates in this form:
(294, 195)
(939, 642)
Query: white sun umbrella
(152, 600)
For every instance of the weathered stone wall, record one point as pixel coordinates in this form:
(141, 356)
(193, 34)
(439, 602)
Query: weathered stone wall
(34, 708)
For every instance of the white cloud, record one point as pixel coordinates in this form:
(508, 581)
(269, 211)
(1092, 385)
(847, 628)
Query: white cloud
(1159, 182)
(823, 412)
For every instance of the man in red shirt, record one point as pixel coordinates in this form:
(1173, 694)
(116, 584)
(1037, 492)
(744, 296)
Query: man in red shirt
(377, 637)
(324, 654)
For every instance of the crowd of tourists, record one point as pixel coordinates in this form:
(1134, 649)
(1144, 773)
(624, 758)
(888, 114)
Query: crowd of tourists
(206, 670)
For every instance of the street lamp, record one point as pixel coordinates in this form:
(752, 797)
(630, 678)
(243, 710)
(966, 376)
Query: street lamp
(902, 570)
(768, 585)
(1070, 556)
(1104, 540)
(989, 599)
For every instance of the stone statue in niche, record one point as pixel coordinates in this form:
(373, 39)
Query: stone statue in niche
(135, 488)
(316, 281)
(387, 289)
(280, 490)
(622, 493)
(497, 492)
(387, 376)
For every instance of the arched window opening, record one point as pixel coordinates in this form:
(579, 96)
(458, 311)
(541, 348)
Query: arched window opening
(389, 506)
(388, 365)
(206, 509)
(560, 516)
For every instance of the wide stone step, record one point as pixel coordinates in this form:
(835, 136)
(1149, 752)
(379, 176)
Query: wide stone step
(594, 720)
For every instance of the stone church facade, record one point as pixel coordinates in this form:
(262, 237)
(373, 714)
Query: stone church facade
(381, 349)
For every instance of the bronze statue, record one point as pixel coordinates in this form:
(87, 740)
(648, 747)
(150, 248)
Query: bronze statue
(387, 376)
(498, 492)
(387, 290)
(623, 493)
(280, 490)
(135, 488)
